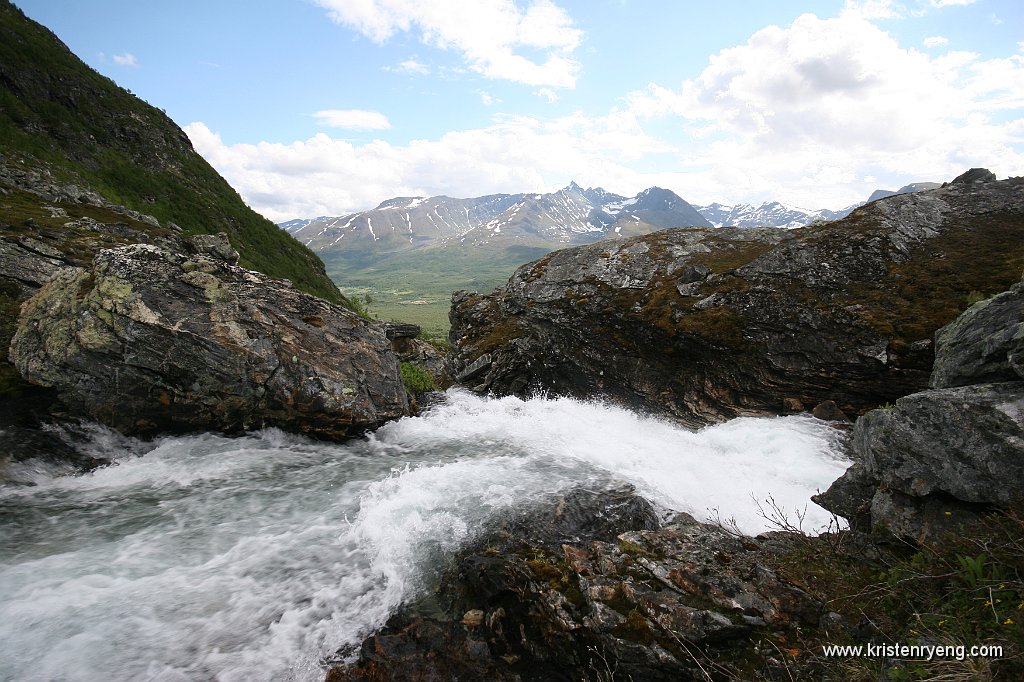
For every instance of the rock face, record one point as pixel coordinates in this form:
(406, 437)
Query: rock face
(148, 339)
(984, 344)
(705, 325)
(940, 457)
(588, 587)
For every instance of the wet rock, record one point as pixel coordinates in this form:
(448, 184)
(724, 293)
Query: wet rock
(619, 598)
(827, 410)
(149, 340)
(705, 325)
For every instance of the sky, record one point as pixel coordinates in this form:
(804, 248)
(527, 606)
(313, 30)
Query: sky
(325, 107)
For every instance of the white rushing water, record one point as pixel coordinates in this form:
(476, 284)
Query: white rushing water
(255, 558)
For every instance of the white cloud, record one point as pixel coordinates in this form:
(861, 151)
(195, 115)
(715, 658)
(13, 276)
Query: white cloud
(872, 9)
(353, 119)
(818, 114)
(805, 111)
(411, 65)
(489, 33)
(330, 176)
(935, 41)
(548, 94)
(950, 3)
(125, 59)
(486, 99)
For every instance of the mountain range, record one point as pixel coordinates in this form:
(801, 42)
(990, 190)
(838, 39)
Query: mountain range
(572, 215)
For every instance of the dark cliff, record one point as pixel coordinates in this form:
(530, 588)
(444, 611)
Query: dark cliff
(704, 325)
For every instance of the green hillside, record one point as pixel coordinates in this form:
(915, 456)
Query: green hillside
(59, 114)
(416, 286)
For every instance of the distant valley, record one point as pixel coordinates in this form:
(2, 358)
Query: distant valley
(409, 253)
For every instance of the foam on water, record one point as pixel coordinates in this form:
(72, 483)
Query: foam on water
(253, 558)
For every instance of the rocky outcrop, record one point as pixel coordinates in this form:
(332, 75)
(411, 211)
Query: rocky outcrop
(588, 587)
(939, 458)
(985, 344)
(147, 339)
(408, 348)
(705, 325)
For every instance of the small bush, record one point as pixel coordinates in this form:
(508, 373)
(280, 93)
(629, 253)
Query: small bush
(416, 379)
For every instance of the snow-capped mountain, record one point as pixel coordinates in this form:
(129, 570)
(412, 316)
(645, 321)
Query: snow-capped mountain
(572, 215)
(768, 214)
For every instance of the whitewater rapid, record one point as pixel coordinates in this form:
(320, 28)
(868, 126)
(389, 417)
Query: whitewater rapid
(257, 557)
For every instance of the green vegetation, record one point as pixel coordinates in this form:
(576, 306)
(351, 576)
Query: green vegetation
(416, 379)
(416, 286)
(58, 114)
(965, 590)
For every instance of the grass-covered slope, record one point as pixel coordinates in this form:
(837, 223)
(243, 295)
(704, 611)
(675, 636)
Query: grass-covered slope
(57, 112)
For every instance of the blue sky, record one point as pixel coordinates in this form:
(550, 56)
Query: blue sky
(314, 107)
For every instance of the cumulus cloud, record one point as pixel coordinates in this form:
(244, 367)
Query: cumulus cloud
(353, 119)
(125, 59)
(818, 114)
(548, 94)
(809, 108)
(490, 34)
(935, 41)
(329, 176)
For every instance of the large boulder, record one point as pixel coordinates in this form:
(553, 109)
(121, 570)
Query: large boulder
(147, 339)
(709, 324)
(941, 457)
(986, 343)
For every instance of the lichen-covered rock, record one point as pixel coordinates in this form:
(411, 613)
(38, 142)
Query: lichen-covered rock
(708, 324)
(148, 339)
(985, 344)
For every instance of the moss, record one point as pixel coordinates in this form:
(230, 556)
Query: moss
(720, 327)
(727, 254)
(498, 337)
(635, 629)
(970, 261)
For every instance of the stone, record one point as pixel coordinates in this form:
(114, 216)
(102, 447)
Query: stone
(975, 175)
(213, 245)
(401, 330)
(984, 344)
(148, 340)
(827, 410)
(957, 450)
